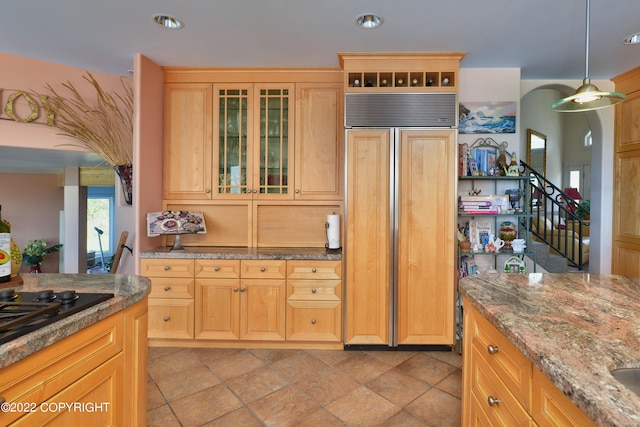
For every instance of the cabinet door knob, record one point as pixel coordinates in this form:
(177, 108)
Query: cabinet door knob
(166, 318)
(208, 190)
(242, 289)
(255, 191)
(313, 270)
(492, 349)
(313, 321)
(262, 269)
(216, 268)
(297, 191)
(314, 290)
(493, 400)
(166, 267)
(166, 288)
(235, 289)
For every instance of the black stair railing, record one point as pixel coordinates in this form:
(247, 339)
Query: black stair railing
(550, 207)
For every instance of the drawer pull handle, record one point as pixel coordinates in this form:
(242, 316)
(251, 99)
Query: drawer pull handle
(314, 290)
(313, 321)
(166, 267)
(208, 190)
(313, 270)
(216, 268)
(166, 288)
(166, 318)
(492, 349)
(242, 289)
(492, 401)
(235, 289)
(262, 269)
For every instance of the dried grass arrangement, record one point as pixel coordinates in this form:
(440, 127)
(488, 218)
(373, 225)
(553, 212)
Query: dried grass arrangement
(105, 128)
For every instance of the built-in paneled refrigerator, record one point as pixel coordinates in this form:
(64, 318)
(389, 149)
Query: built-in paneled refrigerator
(399, 254)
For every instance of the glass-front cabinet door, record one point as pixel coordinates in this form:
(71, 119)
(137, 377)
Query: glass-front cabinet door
(253, 152)
(232, 155)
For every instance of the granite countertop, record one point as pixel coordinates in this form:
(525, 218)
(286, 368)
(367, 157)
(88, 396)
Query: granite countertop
(127, 290)
(219, 252)
(575, 328)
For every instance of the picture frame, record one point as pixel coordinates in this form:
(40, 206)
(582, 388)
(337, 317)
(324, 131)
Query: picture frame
(480, 232)
(473, 167)
(486, 159)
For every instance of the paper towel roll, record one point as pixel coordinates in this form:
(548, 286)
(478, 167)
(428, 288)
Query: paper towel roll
(333, 231)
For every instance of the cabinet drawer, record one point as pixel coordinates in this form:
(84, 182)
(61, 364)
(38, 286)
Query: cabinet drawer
(314, 269)
(169, 318)
(511, 366)
(263, 269)
(179, 287)
(485, 386)
(550, 407)
(314, 321)
(166, 267)
(314, 290)
(217, 268)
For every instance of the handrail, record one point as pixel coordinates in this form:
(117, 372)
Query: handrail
(549, 201)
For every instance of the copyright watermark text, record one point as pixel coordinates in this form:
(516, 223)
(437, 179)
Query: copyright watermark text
(24, 407)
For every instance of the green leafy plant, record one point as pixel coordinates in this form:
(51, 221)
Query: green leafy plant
(35, 250)
(584, 209)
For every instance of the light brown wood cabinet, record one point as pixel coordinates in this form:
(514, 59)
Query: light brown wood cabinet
(171, 301)
(244, 301)
(626, 206)
(425, 250)
(103, 363)
(502, 387)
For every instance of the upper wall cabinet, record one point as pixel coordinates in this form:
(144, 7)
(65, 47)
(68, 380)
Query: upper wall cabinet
(401, 72)
(188, 136)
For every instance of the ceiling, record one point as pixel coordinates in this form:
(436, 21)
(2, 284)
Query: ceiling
(544, 38)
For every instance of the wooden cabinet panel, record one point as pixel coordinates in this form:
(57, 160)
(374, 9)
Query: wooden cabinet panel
(217, 268)
(314, 290)
(319, 142)
(162, 267)
(426, 240)
(218, 309)
(626, 259)
(171, 318)
(262, 308)
(188, 140)
(263, 269)
(368, 237)
(314, 270)
(314, 320)
(179, 287)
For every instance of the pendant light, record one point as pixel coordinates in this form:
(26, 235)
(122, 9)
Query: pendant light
(587, 97)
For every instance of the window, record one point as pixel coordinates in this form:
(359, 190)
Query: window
(100, 216)
(587, 140)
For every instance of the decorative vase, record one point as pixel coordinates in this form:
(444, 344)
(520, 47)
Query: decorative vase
(35, 269)
(125, 172)
(508, 231)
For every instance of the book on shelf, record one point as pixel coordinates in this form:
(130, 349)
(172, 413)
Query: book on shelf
(477, 199)
(491, 211)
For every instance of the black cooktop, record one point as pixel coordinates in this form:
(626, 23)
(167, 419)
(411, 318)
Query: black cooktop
(24, 312)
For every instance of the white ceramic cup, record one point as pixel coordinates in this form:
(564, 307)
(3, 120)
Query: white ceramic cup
(518, 245)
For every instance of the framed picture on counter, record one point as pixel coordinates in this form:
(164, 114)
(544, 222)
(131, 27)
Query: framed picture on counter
(480, 230)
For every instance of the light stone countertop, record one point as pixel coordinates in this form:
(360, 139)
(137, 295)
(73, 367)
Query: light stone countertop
(575, 328)
(212, 252)
(127, 290)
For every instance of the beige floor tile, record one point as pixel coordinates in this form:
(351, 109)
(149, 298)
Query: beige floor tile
(362, 367)
(154, 397)
(257, 383)
(393, 358)
(327, 385)
(404, 419)
(239, 418)
(162, 417)
(437, 408)
(209, 355)
(450, 357)
(170, 364)
(332, 357)
(186, 382)
(298, 365)
(268, 355)
(362, 407)
(321, 418)
(233, 365)
(398, 387)
(427, 369)
(157, 352)
(206, 405)
(284, 407)
(452, 384)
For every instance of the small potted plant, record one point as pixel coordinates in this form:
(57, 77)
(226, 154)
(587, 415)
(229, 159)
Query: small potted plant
(34, 253)
(583, 210)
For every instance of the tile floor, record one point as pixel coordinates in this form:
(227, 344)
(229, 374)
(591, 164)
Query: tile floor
(240, 387)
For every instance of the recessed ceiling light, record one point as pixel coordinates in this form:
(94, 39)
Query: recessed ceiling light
(167, 21)
(368, 20)
(632, 39)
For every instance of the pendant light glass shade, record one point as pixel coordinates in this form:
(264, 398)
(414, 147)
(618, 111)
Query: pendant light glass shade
(587, 97)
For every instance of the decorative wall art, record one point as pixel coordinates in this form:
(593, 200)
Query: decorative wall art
(487, 117)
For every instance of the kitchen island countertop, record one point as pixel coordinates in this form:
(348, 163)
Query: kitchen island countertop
(219, 252)
(573, 327)
(127, 290)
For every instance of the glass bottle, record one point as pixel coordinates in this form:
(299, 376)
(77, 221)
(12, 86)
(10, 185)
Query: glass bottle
(5, 250)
